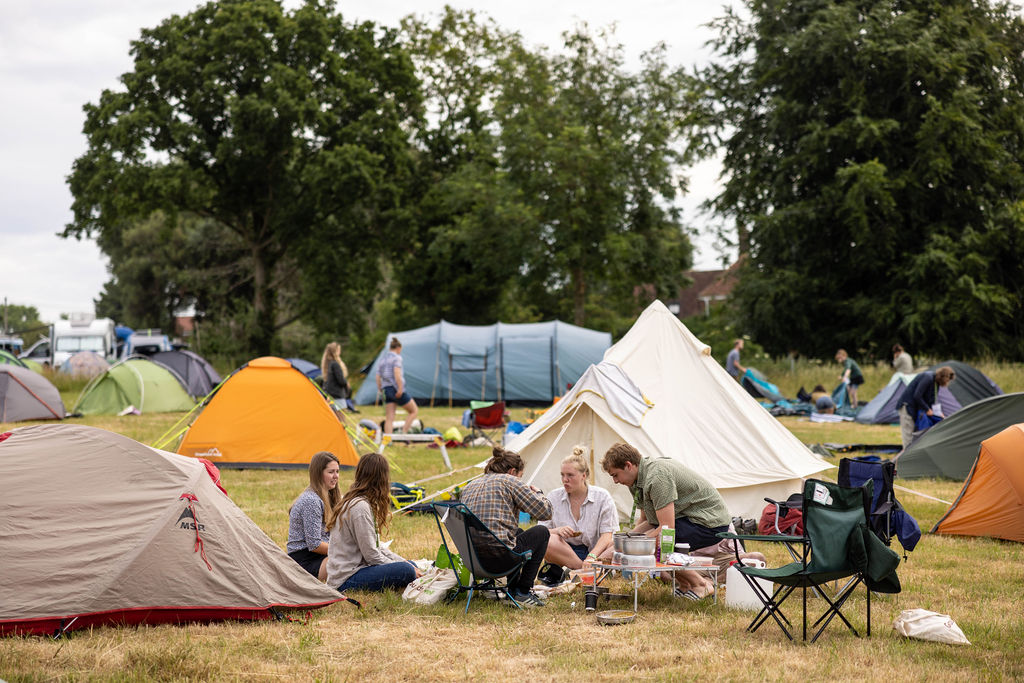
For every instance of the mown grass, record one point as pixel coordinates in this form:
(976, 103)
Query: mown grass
(977, 581)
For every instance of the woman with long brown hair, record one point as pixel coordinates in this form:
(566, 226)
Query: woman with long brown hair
(355, 558)
(307, 517)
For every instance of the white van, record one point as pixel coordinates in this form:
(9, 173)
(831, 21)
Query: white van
(83, 332)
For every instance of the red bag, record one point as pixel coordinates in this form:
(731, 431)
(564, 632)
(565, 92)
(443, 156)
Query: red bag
(791, 520)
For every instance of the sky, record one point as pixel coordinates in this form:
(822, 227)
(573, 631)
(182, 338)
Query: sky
(57, 55)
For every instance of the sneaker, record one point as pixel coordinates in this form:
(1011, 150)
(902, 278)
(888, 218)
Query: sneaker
(528, 600)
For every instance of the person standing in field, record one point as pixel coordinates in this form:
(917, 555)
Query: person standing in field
(852, 377)
(391, 381)
(732, 361)
(335, 376)
(921, 396)
(901, 360)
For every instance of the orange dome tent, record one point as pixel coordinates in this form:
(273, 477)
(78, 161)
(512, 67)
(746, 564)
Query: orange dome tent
(267, 414)
(991, 502)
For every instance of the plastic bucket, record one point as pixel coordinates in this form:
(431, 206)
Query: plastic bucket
(738, 593)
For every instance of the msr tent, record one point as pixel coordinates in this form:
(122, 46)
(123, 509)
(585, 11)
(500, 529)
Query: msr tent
(882, 408)
(267, 414)
(758, 386)
(27, 395)
(949, 448)
(500, 362)
(660, 390)
(138, 383)
(195, 372)
(129, 535)
(991, 502)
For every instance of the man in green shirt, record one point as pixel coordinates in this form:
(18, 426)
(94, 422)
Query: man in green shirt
(671, 494)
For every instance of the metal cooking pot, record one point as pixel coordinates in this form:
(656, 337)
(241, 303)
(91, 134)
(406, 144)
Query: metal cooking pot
(630, 543)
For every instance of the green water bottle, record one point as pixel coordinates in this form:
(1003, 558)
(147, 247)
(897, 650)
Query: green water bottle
(667, 542)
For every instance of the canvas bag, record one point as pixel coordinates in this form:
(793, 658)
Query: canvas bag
(431, 587)
(925, 625)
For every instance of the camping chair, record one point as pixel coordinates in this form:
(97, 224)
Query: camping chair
(837, 543)
(488, 421)
(887, 517)
(462, 525)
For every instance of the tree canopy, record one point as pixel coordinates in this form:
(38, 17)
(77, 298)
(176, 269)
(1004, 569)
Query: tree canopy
(288, 130)
(873, 160)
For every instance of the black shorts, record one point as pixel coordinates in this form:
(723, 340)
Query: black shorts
(308, 560)
(389, 396)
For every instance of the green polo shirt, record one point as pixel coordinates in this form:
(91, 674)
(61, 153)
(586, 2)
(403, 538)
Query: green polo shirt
(660, 481)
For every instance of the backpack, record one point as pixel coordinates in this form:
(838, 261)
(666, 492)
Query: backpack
(790, 514)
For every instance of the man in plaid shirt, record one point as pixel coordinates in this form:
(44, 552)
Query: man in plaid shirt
(496, 499)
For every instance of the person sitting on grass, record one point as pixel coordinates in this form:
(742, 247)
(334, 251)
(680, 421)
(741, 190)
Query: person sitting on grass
(583, 517)
(671, 494)
(356, 560)
(307, 517)
(496, 498)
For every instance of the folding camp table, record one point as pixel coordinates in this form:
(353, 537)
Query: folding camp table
(639, 575)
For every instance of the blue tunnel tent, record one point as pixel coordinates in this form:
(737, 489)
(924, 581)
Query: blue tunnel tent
(500, 362)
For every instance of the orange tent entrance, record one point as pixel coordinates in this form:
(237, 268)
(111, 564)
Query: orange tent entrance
(267, 414)
(991, 502)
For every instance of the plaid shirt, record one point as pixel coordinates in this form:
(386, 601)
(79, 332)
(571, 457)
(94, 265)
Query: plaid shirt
(497, 499)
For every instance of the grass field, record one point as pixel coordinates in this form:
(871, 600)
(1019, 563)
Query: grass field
(976, 581)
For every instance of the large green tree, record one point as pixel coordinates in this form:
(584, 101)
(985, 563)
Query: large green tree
(288, 129)
(596, 151)
(548, 177)
(873, 156)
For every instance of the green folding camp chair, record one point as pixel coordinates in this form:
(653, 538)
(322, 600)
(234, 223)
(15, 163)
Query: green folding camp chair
(837, 543)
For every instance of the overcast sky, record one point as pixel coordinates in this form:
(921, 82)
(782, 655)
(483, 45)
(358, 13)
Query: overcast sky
(56, 55)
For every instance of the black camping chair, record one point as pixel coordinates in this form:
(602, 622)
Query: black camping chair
(888, 518)
(468, 533)
(837, 543)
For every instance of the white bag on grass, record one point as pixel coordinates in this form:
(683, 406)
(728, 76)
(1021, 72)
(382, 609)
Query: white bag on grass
(431, 587)
(925, 625)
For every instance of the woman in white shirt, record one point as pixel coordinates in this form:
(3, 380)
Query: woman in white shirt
(583, 517)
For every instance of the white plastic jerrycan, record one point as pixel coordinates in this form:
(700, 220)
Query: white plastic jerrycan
(738, 593)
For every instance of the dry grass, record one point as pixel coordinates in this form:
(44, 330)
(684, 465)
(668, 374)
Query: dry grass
(977, 581)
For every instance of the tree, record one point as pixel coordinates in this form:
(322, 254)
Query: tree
(289, 129)
(873, 151)
(595, 151)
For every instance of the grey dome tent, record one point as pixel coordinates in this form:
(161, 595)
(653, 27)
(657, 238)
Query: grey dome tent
(500, 362)
(27, 395)
(970, 384)
(197, 375)
(949, 448)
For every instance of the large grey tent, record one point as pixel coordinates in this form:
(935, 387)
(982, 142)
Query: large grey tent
(970, 384)
(27, 395)
(949, 448)
(197, 375)
(882, 408)
(500, 362)
(96, 528)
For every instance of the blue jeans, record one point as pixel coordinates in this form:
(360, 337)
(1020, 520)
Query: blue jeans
(380, 576)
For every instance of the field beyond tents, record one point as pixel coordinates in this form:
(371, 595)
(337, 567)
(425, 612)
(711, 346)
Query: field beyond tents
(976, 581)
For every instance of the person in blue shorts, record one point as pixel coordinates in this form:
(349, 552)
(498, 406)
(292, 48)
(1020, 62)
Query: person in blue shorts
(391, 382)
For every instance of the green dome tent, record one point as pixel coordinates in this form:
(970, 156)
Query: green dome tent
(134, 383)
